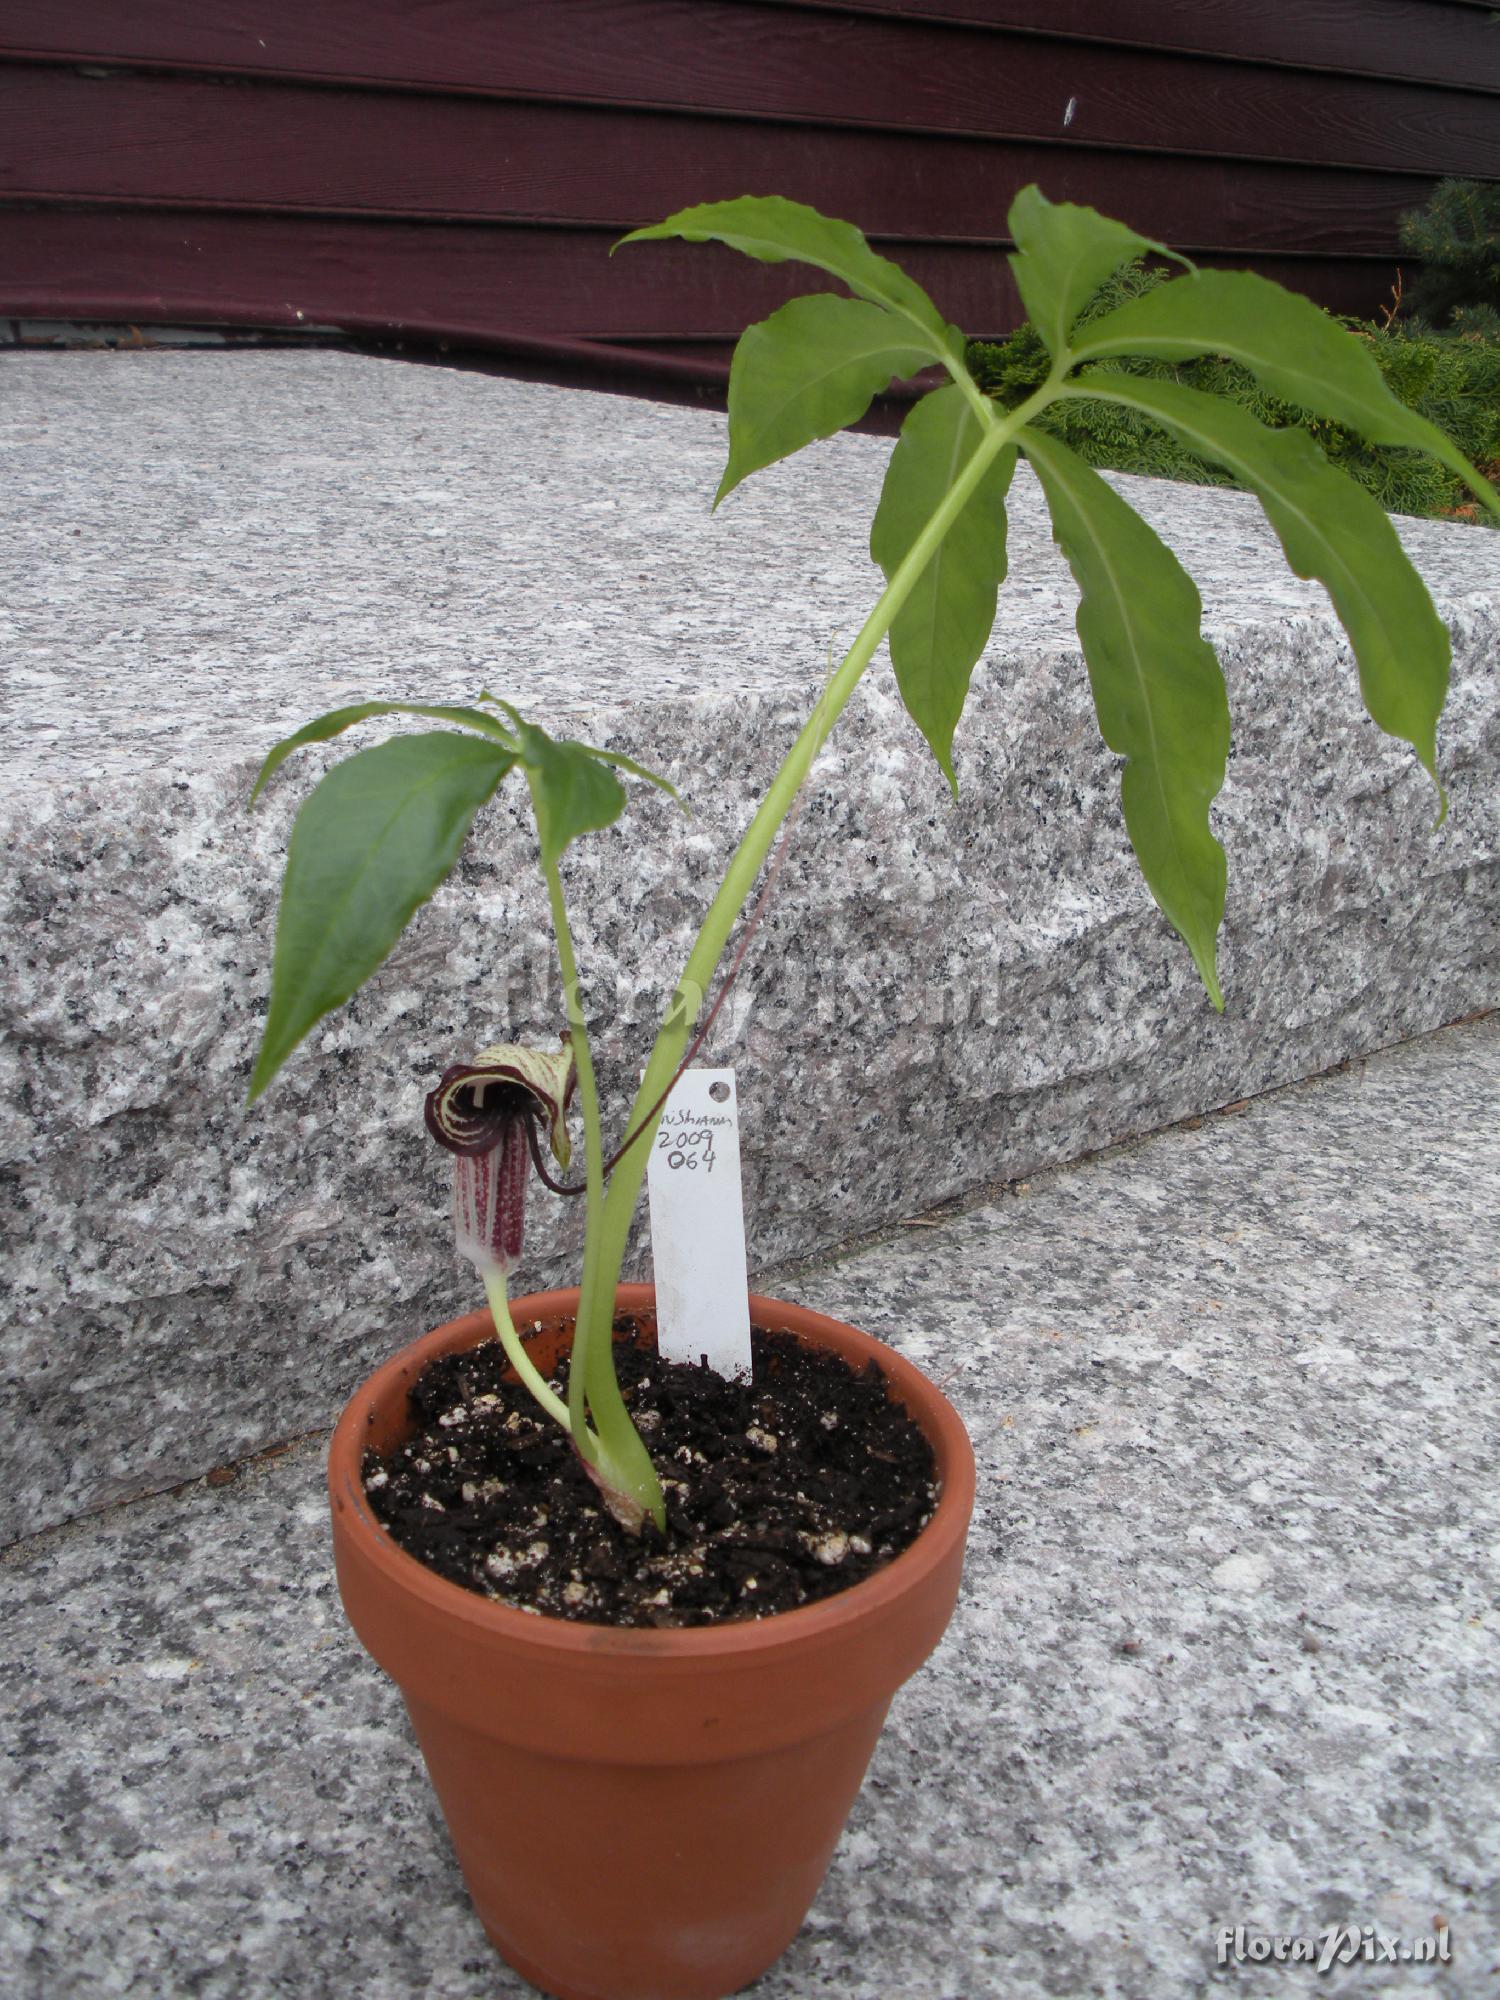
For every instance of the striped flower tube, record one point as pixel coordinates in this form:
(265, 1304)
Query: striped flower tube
(481, 1112)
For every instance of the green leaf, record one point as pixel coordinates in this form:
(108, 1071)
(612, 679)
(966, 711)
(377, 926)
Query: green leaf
(1063, 255)
(1158, 690)
(805, 373)
(776, 231)
(941, 630)
(574, 792)
(572, 789)
(339, 719)
(1331, 529)
(623, 763)
(1290, 345)
(374, 839)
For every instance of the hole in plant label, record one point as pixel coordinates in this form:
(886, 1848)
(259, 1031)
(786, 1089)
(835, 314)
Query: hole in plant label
(698, 1225)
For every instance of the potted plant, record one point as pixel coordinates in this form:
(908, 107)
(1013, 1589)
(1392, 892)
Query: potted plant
(643, 1811)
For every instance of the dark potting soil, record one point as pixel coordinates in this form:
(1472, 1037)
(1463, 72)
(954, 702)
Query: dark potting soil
(781, 1490)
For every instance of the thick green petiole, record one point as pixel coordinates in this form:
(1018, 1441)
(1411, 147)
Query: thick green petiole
(613, 1449)
(607, 1244)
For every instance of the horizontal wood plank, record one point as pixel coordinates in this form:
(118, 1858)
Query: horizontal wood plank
(470, 283)
(187, 141)
(804, 64)
(1411, 40)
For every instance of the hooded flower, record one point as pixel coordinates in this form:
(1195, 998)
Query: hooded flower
(483, 1112)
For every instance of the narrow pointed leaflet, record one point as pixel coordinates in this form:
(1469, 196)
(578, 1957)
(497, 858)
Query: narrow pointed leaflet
(1331, 530)
(776, 231)
(371, 843)
(1063, 254)
(939, 633)
(806, 372)
(1158, 690)
(1291, 347)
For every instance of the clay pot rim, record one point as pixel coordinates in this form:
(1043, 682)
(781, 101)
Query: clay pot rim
(570, 1639)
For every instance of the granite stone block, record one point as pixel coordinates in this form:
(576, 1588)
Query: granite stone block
(1225, 1652)
(206, 549)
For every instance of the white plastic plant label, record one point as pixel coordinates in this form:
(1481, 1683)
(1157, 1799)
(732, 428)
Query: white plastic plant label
(698, 1225)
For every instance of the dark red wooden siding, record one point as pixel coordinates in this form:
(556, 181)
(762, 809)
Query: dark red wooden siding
(457, 169)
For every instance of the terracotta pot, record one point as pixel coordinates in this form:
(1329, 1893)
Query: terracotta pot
(643, 1815)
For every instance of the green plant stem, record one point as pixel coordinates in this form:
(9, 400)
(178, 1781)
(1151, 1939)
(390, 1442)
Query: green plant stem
(614, 1448)
(982, 406)
(497, 1292)
(602, 1270)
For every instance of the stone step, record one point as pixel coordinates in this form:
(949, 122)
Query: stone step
(1220, 1657)
(206, 549)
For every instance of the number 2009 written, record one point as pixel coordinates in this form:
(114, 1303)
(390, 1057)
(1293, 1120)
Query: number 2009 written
(691, 1150)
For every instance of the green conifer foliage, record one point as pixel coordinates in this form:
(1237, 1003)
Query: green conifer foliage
(1457, 238)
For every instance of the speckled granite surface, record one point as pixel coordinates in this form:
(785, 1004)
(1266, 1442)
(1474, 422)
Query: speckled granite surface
(204, 549)
(1225, 1654)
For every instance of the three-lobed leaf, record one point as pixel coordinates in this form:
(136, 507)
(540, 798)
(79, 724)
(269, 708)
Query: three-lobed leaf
(1330, 529)
(573, 788)
(1064, 253)
(938, 634)
(337, 720)
(776, 231)
(372, 842)
(1158, 690)
(1291, 347)
(808, 371)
